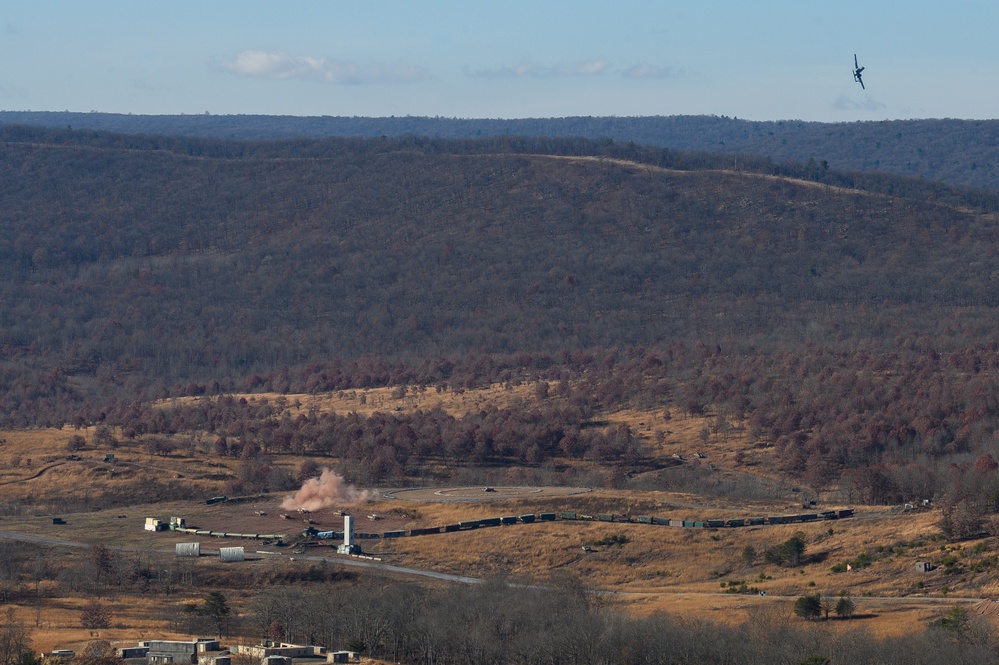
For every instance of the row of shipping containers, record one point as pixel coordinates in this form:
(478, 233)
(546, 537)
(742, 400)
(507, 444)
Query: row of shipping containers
(230, 534)
(711, 524)
(467, 525)
(530, 518)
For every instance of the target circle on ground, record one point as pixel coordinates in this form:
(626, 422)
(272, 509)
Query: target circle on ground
(481, 493)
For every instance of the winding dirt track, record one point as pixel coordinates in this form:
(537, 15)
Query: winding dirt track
(37, 474)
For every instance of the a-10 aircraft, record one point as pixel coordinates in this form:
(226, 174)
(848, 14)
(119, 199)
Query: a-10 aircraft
(857, 69)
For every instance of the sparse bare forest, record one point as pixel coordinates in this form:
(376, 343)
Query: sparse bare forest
(847, 319)
(553, 620)
(188, 304)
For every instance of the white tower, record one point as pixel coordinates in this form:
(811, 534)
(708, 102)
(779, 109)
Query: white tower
(348, 546)
(348, 530)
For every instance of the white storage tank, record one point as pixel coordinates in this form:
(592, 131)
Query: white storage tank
(232, 554)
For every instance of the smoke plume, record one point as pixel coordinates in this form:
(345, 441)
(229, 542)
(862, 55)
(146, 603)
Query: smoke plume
(329, 489)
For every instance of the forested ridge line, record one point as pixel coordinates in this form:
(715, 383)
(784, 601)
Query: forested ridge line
(961, 152)
(851, 328)
(669, 157)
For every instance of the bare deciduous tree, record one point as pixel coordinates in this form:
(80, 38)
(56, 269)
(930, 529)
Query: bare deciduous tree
(15, 640)
(95, 616)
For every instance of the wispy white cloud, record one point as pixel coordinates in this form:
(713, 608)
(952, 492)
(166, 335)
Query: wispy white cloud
(278, 65)
(527, 68)
(844, 103)
(524, 68)
(585, 68)
(647, 71)
(595, 67)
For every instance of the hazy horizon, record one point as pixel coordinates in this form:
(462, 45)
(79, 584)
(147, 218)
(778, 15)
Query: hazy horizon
(762, 61)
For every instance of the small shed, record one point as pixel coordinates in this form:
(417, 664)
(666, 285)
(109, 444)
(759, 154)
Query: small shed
(276, 660)
(188, 549)
(924, 566)
(338, 657)
(232, 554)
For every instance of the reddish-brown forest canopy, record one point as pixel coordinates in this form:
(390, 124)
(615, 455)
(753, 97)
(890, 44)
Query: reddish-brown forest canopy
(849, 317)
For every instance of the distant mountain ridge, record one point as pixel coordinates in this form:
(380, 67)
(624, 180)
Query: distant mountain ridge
(848, 318)
(135, 264)
(961, 152)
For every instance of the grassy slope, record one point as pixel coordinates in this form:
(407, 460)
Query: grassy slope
(659, 568)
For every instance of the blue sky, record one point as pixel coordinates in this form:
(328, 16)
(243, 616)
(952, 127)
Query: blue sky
(763, 60)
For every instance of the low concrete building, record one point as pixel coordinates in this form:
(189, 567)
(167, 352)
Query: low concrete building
(215, 658)
(202, 651)
(269, 649)
(132, 653)
(276, 660)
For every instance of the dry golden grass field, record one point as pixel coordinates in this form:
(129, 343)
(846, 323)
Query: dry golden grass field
(718, 441)
(639, 568)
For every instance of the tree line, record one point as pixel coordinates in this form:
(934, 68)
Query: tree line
(895, 425)
(558, 622)
(851, 329)
(961, 152)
